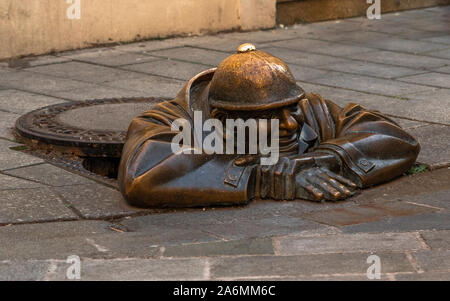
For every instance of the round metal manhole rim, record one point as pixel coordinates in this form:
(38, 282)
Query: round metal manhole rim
(44, 126)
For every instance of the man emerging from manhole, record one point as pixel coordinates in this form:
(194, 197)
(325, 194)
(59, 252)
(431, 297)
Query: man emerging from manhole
(325, 152)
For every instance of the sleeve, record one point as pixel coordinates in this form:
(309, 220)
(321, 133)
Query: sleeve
(371, 147)
(152, 175)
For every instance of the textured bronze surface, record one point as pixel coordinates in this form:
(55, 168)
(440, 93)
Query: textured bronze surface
(253, 80)
(82, 128)
(327, 152)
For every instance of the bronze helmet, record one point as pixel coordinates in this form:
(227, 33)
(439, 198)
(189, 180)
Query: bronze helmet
(253, 80)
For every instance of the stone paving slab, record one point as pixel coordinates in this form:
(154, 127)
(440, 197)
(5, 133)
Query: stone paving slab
(38, 83)
(133, 269)
(7, 122)
(169, 68)
(420, 106)
(436, 26)
(443, 39)
(367, 212)
(194, 55)
(13, 159)
(126, 245)
(419, 62)
(226, 224)
(95, 200)
(113, 57)
(220, 42)
(433, 260)
(20, 102)
(341, 25)
(302, 58)
(59, 249)
(433, 79)
(149, 85)
(429, 221)
(371, 69)
(319, 47)
(347, 243)
(54, 230)
(357, 37)
(405, 188)
(437, 239)
(434, 140)
(395, 28)
(90, 243)
(192, 218)
(7, 183)
(429, 96)
(36, 61)
(333, 277)
(369, 84)
(416, 109)
(303, 73)
(277, 225)
(84, 72)
(427, 276)
(32, 205)
(23, 271)
(416, 34)
(439, 198)
(131, 244)
(93, 91)
(49, 175)
(403, 45)
(304, 265)
(443, 69)
(235, 247)
(408, 124)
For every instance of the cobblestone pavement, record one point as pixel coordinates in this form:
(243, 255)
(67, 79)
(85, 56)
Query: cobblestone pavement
(399, 65)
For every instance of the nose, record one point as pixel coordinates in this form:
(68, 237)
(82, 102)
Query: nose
(287, 121)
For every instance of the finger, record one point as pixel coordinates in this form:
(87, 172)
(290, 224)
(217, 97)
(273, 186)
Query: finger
(258, 183)
(341, 179)
(311, 192)
(265, 181)
(330, 193)
(289, 181)
(337, 185)
(246, 160)
(294, 166)
(277, 176)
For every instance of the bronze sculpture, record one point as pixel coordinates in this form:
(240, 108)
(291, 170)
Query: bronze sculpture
(326, 152)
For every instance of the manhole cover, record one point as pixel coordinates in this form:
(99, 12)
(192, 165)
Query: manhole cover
(95, 128)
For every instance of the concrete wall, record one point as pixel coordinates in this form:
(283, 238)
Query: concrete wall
(42, 26)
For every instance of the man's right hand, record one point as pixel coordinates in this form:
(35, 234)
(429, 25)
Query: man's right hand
(319, 184)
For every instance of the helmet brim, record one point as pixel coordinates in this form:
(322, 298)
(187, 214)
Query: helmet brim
(226, 105)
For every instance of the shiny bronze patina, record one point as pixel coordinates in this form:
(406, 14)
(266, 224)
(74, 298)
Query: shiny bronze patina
(327, 152)
(253, 80)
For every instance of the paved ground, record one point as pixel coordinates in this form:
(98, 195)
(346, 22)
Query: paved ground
(399, 65)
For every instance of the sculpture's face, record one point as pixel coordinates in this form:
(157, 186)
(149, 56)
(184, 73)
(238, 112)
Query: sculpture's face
(290, 123)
